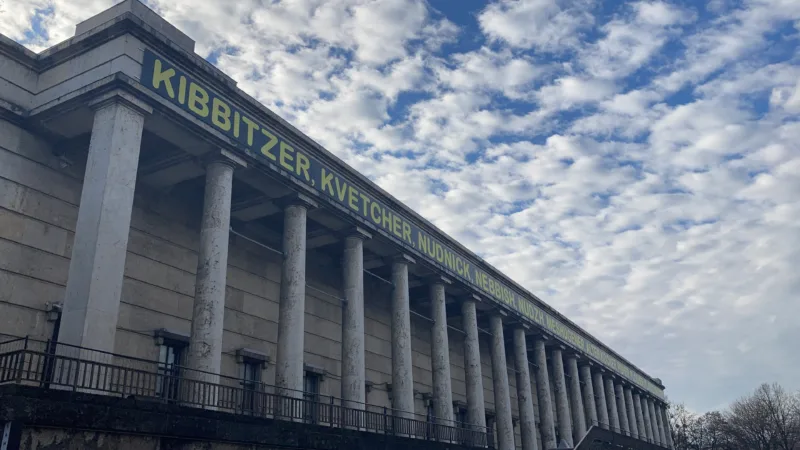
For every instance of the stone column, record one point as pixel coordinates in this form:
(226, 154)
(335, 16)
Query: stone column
(291, 310)
(659, 426)
(94, 284)
(588, 396)
(440, 353)
(402, 376)
(622, 409)
(631, 413)
(476, 412)
(353, 368)
(578, 412)
(611, 403)
(208, 313)
(637, 407)
(527, 421)
(654, 422)
(502, 397)
(548, 429)
(602, 407)
(562, 401)
(648, 426)
(667, 427)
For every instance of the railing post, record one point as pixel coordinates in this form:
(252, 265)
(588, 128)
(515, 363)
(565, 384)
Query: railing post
(333, 421)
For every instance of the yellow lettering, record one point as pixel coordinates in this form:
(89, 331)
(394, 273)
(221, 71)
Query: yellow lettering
(251, 127)
(236, 124)
(406, 232)
(220, 114)
(375, 213)
(396, 226)
(448, 260)
(198, 100)
(341, 189)
(365, 201)
(422, 242)
(352, 197)
(303, 165)
(286, 157)
(459, 266)
(387, 219)
(163, 76)
(439, 252)
(327, 185)
(182, 90)
(266, 149)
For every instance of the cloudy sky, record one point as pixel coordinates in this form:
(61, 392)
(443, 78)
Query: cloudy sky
(636, 164)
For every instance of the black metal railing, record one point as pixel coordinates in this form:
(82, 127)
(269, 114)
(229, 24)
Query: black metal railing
(59, 366)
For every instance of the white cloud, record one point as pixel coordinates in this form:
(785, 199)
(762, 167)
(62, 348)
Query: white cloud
(550, 25)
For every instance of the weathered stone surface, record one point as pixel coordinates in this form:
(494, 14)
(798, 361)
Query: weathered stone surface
(505, 428)
(548, 430)
(472, 366)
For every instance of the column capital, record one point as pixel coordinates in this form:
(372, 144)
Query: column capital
(119, 96)
(523, 326)
(498, 313)
(355, 232)
(296, 199)
(225, 157)
(438, 279)
(403, 258)
(472, 298)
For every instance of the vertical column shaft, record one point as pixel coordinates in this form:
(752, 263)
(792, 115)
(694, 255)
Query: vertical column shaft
(667, 428)
(402, 376)
(562, 401)
(94, 284)
(653, 422)
(476, 413)
(548, 429)
(611, 403)
(353, 368)
(291, 310)
(602, 407)
(588, 396)
(208, 313)
(622, 409)
(631, 413)
(578, 412)
(637, 406)
(659, 427)
(502, 397)
(647, 425)
(440, 354)
(527, 421)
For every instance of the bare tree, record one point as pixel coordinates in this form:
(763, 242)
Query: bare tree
(767, 419)
(682, 421)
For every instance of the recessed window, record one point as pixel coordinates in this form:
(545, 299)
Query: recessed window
(170, 360)
(311, 383)
(251, 383)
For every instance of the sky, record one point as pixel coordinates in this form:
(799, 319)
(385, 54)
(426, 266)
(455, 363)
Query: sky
(634, 164)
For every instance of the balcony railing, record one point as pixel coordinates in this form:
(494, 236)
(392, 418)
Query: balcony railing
(52, 365)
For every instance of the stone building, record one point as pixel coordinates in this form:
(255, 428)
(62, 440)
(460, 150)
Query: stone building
(181, 268)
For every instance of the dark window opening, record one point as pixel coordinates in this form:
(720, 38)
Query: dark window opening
(311, 383)
(170, 359)
(251, 383)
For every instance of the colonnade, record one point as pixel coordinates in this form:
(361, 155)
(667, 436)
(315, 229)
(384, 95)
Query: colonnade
(583, 395)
